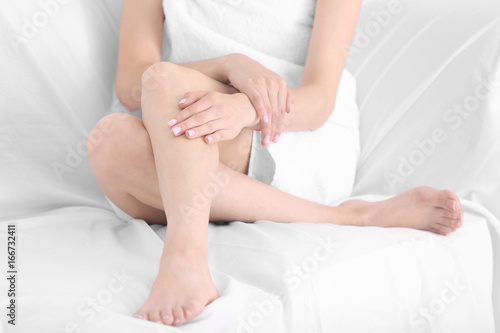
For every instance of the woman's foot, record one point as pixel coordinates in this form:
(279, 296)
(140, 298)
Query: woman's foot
(181, 291)
(421, 208)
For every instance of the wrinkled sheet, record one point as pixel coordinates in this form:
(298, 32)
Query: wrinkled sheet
(56, 82)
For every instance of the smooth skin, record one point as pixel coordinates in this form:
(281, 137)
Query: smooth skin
(186, 161)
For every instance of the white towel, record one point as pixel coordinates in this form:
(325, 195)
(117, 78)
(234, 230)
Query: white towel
(316, 165)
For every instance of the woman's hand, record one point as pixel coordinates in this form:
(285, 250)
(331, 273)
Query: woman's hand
(267, 91)
(215, 115)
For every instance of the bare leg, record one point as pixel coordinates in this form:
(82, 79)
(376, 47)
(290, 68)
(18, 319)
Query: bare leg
(126, 164)
(125, 170)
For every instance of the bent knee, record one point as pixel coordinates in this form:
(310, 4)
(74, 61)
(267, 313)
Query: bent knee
(111, 135)
(159, 73)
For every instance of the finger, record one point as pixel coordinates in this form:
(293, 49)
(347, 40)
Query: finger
(273, 93)
(258, 104)
(266, 127)
(290, 99)
(192, 103)
(206, 129)
(190, 98)
(282, 99)
(205, 117)
(218, 136)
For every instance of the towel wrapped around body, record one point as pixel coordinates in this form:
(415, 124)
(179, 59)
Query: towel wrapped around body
(317, 165)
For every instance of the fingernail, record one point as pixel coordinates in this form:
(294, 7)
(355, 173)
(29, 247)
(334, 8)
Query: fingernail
(172, 122)
(266, 120)
(138, 316)
(182, 101)
(190, 133)
(176, 130)
(209, 139)
(267, 139)
(276, 138)
(451, 204)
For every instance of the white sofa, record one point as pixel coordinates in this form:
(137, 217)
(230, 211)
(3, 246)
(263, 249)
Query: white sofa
(428, 78)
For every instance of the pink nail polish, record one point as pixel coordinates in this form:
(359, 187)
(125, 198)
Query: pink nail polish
(182, 101)
(266, 120)
(176, 130)
(190, 133)
(209, 139)
(172, 122)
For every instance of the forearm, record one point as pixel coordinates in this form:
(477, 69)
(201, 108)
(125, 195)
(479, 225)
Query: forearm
(215, 68)
(312, 108)
(129, 85)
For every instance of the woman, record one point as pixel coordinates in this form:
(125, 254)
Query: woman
(198, 120)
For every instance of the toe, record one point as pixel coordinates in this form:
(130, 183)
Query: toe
(191, 310)
(441, 229)
(140, 315)
(455, 215)
(179, 316)
(154, 316)
(167, 317)
(449, 201)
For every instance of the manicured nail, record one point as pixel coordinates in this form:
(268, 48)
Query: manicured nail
(266, 120)
(138, 316)
(176, 130)
(267, 139)
(182, 101)
(190, 133)
(276, 138)
(209, 139)
(172, 122)
(451, 204)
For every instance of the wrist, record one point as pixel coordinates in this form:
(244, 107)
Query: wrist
(251, 119)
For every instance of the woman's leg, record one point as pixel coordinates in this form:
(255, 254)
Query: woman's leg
(126, 162)
(125, 169)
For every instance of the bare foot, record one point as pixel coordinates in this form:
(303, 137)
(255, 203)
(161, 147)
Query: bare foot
(181, 291)
(421, 208)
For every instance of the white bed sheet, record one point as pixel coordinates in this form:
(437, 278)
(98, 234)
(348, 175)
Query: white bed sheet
(72, 247)
(83, 269)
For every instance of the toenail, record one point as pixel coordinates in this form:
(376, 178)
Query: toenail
(188, 312)
(166, 317)
(138, 316)
(457, 224)
(461, 215)
(451, 204)
(177, 321)
(158, 321)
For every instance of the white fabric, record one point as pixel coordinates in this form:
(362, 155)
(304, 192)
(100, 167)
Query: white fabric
(199, 29)
(72, 248)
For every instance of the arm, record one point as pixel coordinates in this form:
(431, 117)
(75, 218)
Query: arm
(141, 31)
(333, 28)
